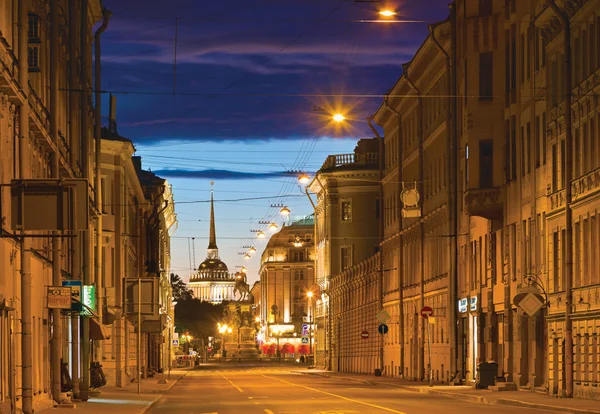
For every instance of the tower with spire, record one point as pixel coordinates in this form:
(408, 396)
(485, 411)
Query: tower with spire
(212, 282)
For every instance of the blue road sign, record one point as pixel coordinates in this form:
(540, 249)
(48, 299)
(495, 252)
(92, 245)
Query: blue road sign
(383, 329)
(304, 340)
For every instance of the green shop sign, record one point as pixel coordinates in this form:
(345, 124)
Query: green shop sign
(89, 296)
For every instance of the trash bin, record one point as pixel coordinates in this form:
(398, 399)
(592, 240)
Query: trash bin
(487, 374)
(377, 372)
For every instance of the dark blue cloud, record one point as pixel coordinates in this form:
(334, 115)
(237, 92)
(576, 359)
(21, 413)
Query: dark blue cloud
(237, 60)
(220, 174)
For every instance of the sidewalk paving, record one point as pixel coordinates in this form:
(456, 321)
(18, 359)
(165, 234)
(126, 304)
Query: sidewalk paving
(526, 399)
(124, 400)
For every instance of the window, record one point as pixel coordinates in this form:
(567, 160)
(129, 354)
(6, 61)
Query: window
(538, 146)
(346, 257)
(486, 76)
(346, 211)
(513, 147)
(544, 138)
(528, 146)
(466, 165)
(486, 163)
(377, 208)
(485, 7)
(34, 43)
(554, 169)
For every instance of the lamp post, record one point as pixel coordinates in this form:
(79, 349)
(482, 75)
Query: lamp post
(311, 321)
(223, 329)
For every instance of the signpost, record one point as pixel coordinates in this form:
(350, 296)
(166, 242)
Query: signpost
(383, 316)
(175, 342)
(427, 314)
(364, 335)
(59, 297)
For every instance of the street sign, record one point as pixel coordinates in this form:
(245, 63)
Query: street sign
(76, 287)
(305, 340)
(59, 297)
(364, 335)
(426, 312)
(383, 316)
(175, 342)
(383, 329)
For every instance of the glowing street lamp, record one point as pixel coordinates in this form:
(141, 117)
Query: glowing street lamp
(273, 227)
(339, 118)
(261, 235)
(247, 256)
(285, 211)
(298, 243)
(252, 250)
(244, 270)
(304, 178)
(387, 13)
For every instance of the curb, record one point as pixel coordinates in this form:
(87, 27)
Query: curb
(517, 403)
(149, 404)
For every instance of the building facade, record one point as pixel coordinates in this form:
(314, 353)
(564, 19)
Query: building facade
(347, 228)
(212, 282)
(47, 125)
(286, 276)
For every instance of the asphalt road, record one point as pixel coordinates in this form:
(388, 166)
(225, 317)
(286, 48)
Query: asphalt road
(230, 389)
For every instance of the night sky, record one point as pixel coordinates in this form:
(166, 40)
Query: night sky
(240, 110)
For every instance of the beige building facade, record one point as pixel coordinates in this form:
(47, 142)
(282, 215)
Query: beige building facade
(286, 275)
(46, 132)
(347, 228)
(479, 124)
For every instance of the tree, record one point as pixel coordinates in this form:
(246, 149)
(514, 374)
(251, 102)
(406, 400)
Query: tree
(180, 290)
(198, 318)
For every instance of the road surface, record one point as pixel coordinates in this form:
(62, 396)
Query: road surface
(230, 389)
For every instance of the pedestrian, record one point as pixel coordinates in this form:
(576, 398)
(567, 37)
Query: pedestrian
(302, 359)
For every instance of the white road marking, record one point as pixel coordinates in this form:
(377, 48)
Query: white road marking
(337, 396)
(238, 388)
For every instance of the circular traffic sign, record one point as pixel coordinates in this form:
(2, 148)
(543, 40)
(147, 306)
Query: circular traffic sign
(364, 334)
(426, 312)
(383, 329)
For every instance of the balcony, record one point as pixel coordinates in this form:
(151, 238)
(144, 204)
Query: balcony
(350, 160)
(557, 201)
(585, 185)
(485, 202)
(9, 73)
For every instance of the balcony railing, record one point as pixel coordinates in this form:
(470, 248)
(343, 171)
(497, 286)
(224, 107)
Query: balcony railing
(485, 202)
(585, 185)
(557, 200)
(8, 61)
(340, 160)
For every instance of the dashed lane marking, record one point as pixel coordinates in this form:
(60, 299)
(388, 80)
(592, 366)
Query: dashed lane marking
(238, 388)
(337, 396)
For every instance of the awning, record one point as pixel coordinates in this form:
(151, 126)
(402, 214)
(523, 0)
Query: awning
(98, 331)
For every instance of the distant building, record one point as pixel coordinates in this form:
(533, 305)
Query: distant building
(212, 282)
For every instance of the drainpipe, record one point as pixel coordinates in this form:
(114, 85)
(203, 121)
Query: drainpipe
(452, 184)
(568, 352)
(421, 226)
(75, 156)
(98, 183)
(381, 211)
(24, 167)
(56, 344)
(85, 166)
(400, 254)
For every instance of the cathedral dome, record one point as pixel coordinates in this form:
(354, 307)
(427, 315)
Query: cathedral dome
(212, 264)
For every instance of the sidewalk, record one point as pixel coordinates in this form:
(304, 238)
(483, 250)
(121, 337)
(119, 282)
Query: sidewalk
(125, 400)
(526, 399)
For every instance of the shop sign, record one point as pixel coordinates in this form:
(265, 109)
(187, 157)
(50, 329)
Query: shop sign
(473, 304)
(89, 296)
(463, 305)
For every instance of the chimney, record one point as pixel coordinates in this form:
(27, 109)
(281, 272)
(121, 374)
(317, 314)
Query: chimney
(112, 114)
(137, 162)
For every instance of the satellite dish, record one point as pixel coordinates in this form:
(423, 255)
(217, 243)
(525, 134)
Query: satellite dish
(410, 197)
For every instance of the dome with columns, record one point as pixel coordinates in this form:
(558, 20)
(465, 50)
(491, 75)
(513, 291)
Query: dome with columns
(212, 282)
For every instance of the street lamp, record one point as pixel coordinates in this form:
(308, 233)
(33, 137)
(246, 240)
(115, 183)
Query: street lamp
(273, 227)
(387, 13)
(285, 211)
(339, 118)
(222, 330)
(304, 179)
(260, 235)
(311, 320)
